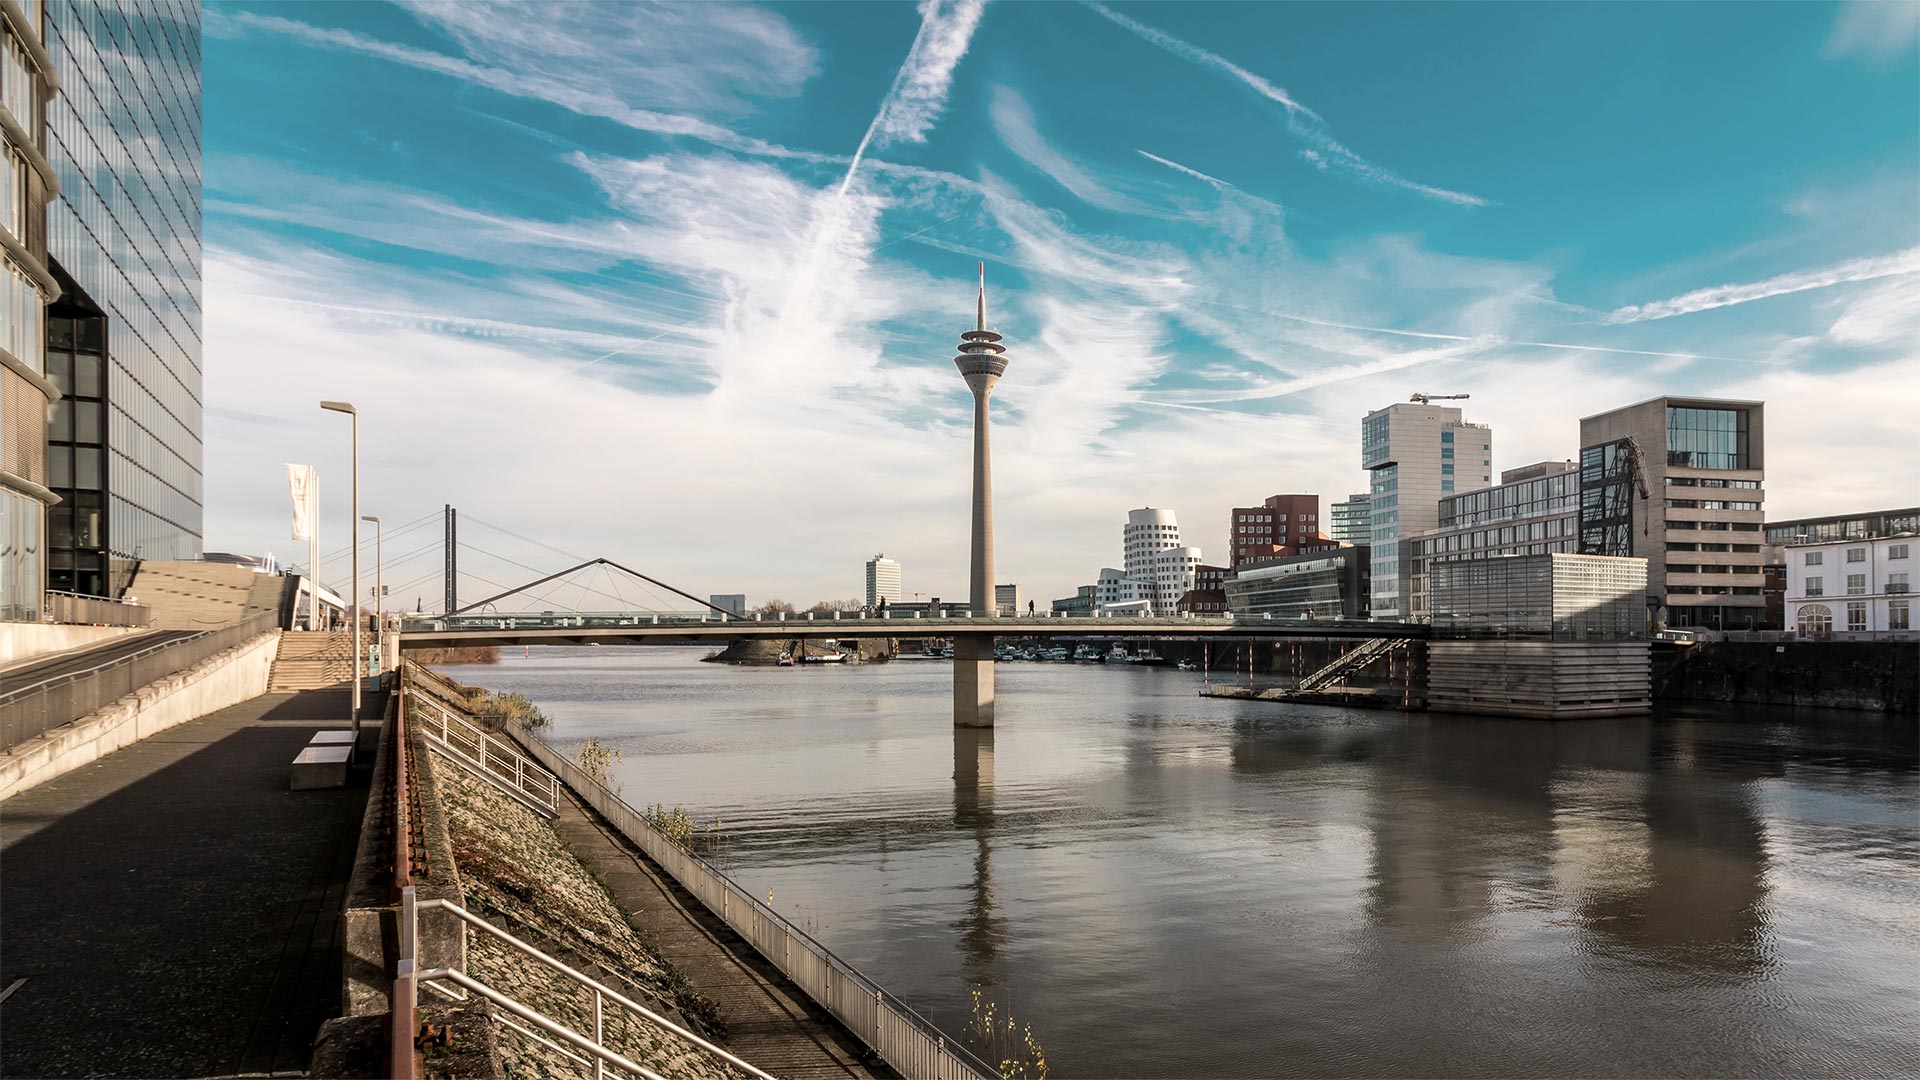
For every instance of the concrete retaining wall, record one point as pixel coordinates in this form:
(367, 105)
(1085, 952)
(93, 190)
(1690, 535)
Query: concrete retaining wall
(1549, 680)
(28, 641)
(1877, 676)
(227, 678)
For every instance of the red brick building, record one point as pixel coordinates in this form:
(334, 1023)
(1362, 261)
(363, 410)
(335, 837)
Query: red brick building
(1283, 525)
(1209, 593)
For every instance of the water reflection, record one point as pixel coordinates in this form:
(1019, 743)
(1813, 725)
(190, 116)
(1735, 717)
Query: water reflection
(982, 932)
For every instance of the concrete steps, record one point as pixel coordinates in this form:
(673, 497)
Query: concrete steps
(312, 660)
(203, 596)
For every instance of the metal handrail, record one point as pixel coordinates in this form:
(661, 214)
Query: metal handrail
(88, 689)
(531, 784)
(80, 609)
(601, 992)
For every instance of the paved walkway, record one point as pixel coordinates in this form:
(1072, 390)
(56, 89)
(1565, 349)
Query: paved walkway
(173, 908)
(769, 1022)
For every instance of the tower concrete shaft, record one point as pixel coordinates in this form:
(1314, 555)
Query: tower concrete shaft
(982, 361)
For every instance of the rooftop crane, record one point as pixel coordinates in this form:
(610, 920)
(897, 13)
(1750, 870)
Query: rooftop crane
(1424, 398)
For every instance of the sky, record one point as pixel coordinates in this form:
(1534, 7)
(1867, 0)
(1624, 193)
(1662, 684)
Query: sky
(680, 285)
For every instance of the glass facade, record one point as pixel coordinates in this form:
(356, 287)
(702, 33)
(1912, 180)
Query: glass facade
(1574, 597)
(1857, 527)
(1707, 438)
(124, 139)
(1606, 499)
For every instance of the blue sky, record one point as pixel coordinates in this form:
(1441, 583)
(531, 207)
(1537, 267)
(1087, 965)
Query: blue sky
(680, 285)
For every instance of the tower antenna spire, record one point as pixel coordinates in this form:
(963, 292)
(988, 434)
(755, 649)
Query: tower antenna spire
(980, 320)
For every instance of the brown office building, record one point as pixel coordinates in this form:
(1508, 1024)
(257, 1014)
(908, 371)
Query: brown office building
(1282, 525)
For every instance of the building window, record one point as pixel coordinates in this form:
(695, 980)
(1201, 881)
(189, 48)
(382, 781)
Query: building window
(1856, 554)
(1707, 438)
(1446, 436)
(1856, 616)
(1896, 583)
(1815, 587)
(1815, 558)
(1446, 469)
(1897, 615)
(1897, 551)
(1856, 584)
(1815, 620)
(1446, 485)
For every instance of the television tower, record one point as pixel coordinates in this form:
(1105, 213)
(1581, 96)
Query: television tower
(982, 361)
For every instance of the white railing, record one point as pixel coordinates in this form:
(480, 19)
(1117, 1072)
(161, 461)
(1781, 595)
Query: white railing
(486, 756)
(595, 1049)
(901, 1037)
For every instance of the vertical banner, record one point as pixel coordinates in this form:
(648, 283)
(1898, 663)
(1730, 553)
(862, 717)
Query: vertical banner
(300, 485)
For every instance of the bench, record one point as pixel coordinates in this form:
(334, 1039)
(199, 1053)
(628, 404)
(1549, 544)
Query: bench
(321, 767)
(332, 738)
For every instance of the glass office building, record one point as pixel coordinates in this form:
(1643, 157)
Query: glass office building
(26, 284)
(123, 239)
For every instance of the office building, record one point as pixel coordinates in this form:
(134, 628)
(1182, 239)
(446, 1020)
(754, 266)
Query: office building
(1209, 593)
(1855, 586)
(883, 581)
(1114, 588)
(1082, 604)
(731, 603)
(1563, 596)
(1843, 526)
(124, 337)
(1677, 481)
(1006, 600)
(1350, 520)
(1156, 560)
(1414, 454)
(1281, 525)
(1330, 583)
(1534, 510)
(27, 285)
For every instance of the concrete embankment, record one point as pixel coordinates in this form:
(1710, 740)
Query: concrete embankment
(1876, 676)
(768, 653)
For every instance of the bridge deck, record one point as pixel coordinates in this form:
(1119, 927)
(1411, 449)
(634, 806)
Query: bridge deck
(645, 629)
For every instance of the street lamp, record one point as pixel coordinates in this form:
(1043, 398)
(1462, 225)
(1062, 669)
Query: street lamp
(379, 590)
(343, 407)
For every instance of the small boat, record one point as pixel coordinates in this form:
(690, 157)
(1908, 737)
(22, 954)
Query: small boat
(1055, 653)
(785, 660)
(1119, 655)
(1185, 665)
(1149, 658)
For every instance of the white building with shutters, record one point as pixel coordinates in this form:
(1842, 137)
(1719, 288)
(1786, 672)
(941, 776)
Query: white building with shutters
(1844, 587)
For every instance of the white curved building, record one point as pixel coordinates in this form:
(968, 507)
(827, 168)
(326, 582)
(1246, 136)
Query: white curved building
(1160, 566)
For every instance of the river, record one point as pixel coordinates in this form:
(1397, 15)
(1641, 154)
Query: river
(1163, 885)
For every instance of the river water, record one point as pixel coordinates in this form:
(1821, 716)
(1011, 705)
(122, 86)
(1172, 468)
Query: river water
(1164, 885)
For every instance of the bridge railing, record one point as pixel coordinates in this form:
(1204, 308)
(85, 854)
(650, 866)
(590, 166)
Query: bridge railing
(900, 1036)
(812, 622)
(32, 710)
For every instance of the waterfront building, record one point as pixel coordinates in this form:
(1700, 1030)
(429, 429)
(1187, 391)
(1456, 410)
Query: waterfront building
(1843, 526)
(1550, 635)
(1291, 522)
(1082, 604)
(1350, 520)
(1703, 460)
(1208, 595)
(27, 285)
(1161, 566)
(1114, 586)
(883, 580)
(1006, 600)
(1854, 586)
(1534, 510)
(931, 608)
(731, 603)
(1330, 583)
(1414, 454)
(124, 336)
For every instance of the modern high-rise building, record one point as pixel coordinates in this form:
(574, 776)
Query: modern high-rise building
(27, 80)
(1155, 558)
(1700, 463)
(1282, 521)
(734, 604)
(1350, 520)
(883, 580)
(1006, 600)
(123, 240)
(1415, 453)
(1533, 510)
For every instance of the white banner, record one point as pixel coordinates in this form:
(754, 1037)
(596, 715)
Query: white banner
(302, 485)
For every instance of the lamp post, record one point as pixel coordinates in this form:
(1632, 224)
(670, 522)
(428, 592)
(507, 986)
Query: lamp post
(343, 407)
(379, 590)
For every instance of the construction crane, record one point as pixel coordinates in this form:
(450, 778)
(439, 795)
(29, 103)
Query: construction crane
(1424, 398)
(1639, 478)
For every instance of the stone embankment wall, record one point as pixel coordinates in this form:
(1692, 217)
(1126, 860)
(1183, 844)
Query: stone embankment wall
(769, 652)
(33, 641)
(227, 678)
(1877, 676)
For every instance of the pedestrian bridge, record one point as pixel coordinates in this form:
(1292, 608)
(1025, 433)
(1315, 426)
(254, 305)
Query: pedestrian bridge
(626, 628)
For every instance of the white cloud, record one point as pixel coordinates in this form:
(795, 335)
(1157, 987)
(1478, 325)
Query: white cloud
(1013, 122)
(919, 92)
(1878, 31)
(1719, 296)
(1324, 151)
(1886, 314)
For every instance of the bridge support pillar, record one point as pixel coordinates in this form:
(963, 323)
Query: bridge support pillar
(973, 680)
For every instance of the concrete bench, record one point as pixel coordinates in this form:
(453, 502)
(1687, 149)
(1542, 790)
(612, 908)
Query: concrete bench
(332, 738)
(321, 767)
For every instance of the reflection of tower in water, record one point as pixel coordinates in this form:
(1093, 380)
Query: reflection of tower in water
(981, 932)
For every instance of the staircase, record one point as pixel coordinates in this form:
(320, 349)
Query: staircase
(312, 660)
(1350, 664)
(203, 596)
